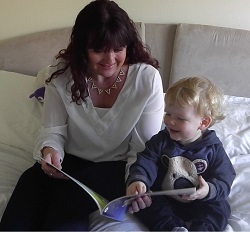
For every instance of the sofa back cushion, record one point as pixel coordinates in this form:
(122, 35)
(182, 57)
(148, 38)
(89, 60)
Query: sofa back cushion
(220, 54)
(160, 39)
(30, 53)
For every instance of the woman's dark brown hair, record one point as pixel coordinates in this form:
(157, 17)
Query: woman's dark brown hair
(101, 25)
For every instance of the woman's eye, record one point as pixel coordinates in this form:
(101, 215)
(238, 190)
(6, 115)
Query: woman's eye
(97, 50)
(118, 50)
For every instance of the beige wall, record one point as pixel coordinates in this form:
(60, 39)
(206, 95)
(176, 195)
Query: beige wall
(18, 17)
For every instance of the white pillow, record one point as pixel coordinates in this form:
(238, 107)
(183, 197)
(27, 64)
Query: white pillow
(234, 130)
(20, 115)
(42, 76)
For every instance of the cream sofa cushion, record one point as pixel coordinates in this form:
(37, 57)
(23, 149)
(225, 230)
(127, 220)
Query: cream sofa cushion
(160, 39)
(20, 116)
(220, 54)
(30, 53)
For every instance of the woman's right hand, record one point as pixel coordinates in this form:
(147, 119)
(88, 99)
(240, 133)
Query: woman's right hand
(52, 156)
(138, 187)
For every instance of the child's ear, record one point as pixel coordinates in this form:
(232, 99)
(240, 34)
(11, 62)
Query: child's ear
(206, 121)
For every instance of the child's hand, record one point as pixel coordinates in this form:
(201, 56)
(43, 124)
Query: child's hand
(200, 193)
(138, 187)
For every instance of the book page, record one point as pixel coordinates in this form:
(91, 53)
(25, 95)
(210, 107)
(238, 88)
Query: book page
(99, 200)
(117, 208)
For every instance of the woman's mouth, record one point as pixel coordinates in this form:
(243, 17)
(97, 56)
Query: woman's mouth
(107, 66)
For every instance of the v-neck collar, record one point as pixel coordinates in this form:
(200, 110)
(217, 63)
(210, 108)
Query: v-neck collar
(102, 123)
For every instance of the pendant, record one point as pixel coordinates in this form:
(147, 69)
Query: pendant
(108, 91)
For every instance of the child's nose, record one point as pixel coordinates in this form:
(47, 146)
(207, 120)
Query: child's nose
(172, 121)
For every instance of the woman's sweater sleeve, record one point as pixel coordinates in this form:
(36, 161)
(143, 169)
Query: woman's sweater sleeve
(150, 121)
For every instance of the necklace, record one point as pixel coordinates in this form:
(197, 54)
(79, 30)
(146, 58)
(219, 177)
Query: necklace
(117, 80)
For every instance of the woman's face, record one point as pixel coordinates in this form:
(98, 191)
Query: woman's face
(106, 63)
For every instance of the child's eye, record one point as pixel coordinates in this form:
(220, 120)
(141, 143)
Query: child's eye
(182, 119)
(167, 114)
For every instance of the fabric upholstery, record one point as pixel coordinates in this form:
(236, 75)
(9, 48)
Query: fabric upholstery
(160, 39)
(30, 53)
(220, 54)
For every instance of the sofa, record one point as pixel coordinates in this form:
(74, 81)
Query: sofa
(220, 54)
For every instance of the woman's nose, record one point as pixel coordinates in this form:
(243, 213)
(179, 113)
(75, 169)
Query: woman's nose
(109, 56)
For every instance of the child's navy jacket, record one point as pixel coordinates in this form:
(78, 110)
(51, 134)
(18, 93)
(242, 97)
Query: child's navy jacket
(166, 164)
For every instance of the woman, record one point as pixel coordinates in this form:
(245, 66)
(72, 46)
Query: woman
(103, 101)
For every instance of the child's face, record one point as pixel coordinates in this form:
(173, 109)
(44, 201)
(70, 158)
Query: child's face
(183, 123)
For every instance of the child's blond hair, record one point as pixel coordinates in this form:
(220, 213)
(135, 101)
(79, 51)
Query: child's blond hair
(200, 93)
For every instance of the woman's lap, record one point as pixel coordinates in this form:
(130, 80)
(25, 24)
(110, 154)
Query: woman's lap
(43, 203)
(101, 223)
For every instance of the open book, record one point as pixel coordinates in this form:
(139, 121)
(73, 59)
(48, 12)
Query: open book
(117, 208)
